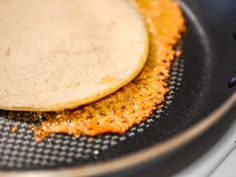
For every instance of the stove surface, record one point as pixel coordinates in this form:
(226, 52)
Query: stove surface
(211, 155)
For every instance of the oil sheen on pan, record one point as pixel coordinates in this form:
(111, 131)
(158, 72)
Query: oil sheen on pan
(133, 103)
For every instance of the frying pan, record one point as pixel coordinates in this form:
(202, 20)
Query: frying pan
(198, 99)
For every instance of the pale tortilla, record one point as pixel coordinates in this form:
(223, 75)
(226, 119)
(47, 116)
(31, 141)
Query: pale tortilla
(59, 54)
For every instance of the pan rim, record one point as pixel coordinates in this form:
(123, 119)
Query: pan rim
(142, 156)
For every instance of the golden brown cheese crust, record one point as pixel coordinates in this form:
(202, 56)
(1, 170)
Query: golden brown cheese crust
(133, 103)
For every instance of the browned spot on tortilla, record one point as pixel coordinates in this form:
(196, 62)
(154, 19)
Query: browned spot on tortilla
(8, 52)
(109, 80)
(133, 103)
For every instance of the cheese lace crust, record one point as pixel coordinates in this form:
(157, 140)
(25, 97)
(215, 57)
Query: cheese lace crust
(133, 103)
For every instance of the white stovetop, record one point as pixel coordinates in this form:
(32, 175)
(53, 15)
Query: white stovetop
(219, 161)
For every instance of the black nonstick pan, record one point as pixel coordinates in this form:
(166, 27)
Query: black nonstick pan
(199, 97)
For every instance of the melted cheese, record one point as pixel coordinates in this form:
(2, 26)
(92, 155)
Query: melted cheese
(133, 103)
